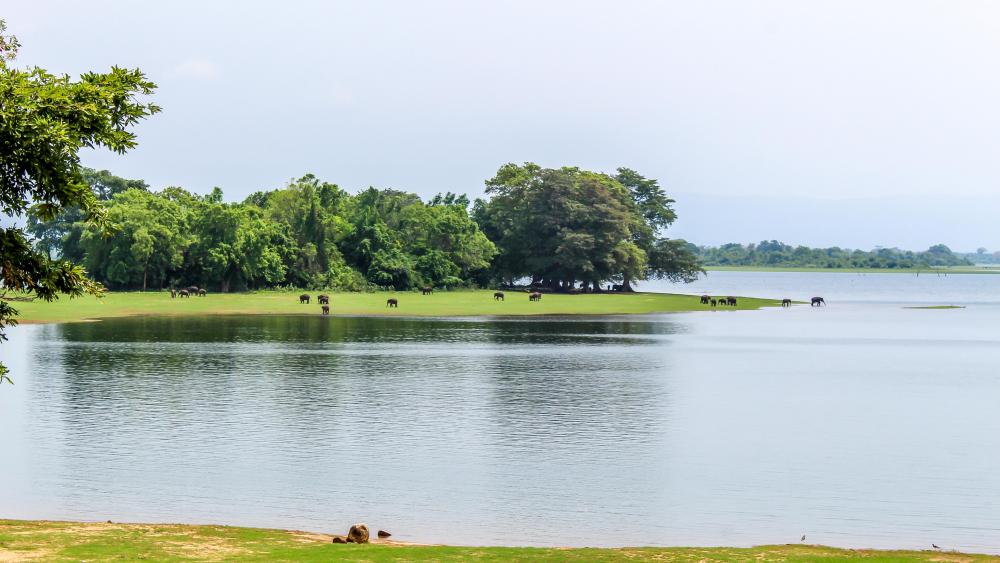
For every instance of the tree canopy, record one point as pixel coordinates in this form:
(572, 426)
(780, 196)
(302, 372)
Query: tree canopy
(45, 120)
(567, 225)
(309, 234)
(771, 253)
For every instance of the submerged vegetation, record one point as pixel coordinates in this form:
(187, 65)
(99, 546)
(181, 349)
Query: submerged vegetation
(774, 254)
(78, 541)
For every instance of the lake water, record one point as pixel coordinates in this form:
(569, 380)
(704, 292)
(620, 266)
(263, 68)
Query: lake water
(858, 424)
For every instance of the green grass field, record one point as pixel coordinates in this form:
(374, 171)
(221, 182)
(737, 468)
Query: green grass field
(907, 271)
(73, 541)
(441, 303)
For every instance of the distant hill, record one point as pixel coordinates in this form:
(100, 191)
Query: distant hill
(776, 254)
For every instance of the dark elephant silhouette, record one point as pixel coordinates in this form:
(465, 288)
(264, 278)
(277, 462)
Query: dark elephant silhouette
(202, 292)
(303, 299)
(185, 293)
(392, 302)
(786, 302)
(426, 290)
(731, 301)
(705, 299)
(193, 290)
(326, 309)
(713, 302)
(817, 302)
(323, 299)
(498, 296)
(535, 296)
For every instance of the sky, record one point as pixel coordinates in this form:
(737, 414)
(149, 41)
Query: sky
(849, 123)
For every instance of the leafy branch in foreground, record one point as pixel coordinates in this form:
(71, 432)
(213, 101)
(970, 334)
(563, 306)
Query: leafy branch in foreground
(45, 120)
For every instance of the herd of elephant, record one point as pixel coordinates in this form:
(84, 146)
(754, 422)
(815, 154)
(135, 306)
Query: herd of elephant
(731, 301)
(392, 302)
(188, 292)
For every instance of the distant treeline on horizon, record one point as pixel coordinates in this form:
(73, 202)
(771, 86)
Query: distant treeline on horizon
(771, 253)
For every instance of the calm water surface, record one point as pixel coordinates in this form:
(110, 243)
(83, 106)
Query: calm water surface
(859, 424)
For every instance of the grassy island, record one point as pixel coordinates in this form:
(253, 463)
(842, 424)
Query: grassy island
(75, 541)
(440, 304)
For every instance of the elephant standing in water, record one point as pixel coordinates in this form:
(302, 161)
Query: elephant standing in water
(326, 309)
(817, 302)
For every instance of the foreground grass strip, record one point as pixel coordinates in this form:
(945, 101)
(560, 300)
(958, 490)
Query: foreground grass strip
(441, 303)
(73, 541)
(937, 307)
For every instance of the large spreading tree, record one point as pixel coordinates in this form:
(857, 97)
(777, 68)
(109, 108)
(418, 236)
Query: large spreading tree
(45, 120)
(564, 226)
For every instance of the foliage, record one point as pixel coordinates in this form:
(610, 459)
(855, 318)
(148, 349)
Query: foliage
(308, 234)
(566, 225)
(776, 254)
(45, 120)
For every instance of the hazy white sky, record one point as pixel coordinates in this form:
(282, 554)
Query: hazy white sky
(765, 119)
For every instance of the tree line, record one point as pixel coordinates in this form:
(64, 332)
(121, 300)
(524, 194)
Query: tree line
(776, 254)
(555, 227)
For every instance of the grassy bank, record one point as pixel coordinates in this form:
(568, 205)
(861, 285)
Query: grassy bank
(906, 271)
(72, 541)
(442, 303)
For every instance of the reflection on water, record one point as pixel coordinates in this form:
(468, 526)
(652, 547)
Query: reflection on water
(856, 425)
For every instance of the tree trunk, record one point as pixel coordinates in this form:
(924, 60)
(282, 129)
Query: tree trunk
(145, 269)
(627, 282)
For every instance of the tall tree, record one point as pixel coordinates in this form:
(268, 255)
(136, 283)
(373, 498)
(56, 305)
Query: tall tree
(45, 120)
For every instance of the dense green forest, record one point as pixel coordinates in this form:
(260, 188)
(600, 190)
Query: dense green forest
(555, 227)
(776, 254)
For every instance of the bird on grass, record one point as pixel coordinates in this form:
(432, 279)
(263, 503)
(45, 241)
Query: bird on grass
(803, 537)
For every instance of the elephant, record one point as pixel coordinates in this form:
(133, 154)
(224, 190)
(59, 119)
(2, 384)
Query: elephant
(173, 293)
(392, 302)
(536, 296)
(326, 309)
(303, 299)
(323, 299)
(426, 290)
(786, 302)
(713, 302)
(705, 299)
(193, 290)
(731, 301)
(202, 292)
(498, 296)
(817, 302)
(185, 293)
